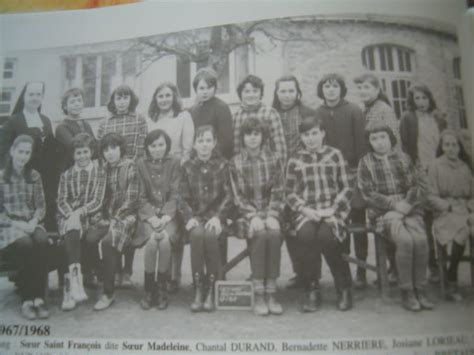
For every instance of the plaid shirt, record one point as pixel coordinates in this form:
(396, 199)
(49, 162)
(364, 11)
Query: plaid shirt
(81, 188)
(257, 185)
(205, 189)
(159, 187)
(267, 115)
(384, 181)
(19, 201)
(319, 181)
(132, 127)
(121, 200)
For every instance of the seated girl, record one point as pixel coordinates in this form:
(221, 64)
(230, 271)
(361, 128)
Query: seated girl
(257, 184)
(205, 199)
(23, 239)
(388, 182)
(452, 199)
(318, 192)
(159, 175)
(114, 231)
(80, 196)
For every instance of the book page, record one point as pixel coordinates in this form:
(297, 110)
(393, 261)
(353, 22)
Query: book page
(369, 46)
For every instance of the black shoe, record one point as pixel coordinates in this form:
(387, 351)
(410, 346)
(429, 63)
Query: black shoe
(423, 299)
(410, 302)
(147, 302)
(453, 294)
(313, 299)
(345, 300)
(295, 282)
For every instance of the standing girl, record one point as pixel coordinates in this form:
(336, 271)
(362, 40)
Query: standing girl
(420, 129)
(166, 113)
(250, 92)
(117, 226)
(452, 199)
(388, 182)
(159, 175)
(72, 104)
(23, 239)
(27, 119)
(133, 128)
(205, 199)
(287, 102)
(376, 103)
(345, 123)
(257, 184)
(80, 197)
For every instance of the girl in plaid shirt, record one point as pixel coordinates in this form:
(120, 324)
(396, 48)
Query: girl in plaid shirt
(250, 92)
(133, 128)
(113, 232)
(157, 228)
(23, 239)
(205, 198)
(257, 185)
(80, 195)
(318, 192)
(391, 186)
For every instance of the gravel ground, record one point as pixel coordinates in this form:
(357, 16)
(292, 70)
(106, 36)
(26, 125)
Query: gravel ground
(370, 317)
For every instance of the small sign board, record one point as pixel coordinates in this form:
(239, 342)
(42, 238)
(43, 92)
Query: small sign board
(234, 295)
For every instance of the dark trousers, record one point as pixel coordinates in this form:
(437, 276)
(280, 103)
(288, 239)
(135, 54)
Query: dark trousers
(265, 254)
(125, 264)
(317, 239)
(457, 251)
(101, 238)
(205, 251)
(361, 243)
(428, 219)
(30, 256)
(72, 249)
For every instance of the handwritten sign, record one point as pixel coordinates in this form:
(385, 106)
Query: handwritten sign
(234, 295)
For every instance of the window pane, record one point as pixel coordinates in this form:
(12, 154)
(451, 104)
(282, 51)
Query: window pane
(457, 68)
(8, 65)
(183, 76)
(401, 63)
(7, 74)
(396, 106)
(395, 89)
(389, 57)
(6, 96)
(383, 65)
(70, 68)
(4, 109)
(371, 58)
(89, 77)
(403, 91)
(408, 61)
(109, 62)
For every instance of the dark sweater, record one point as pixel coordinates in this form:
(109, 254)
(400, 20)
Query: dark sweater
(345, 130)
(409, 131)
(216, 113)
(65, 132)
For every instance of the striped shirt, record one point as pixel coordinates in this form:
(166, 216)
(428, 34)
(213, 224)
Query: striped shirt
(132, 127)
(319, 180)
(205, 189)
(19, 200)
(268, 115)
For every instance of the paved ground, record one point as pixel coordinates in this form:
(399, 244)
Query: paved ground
(370, 316)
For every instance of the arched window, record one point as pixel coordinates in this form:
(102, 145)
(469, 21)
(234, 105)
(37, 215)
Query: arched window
(459, 92)
(394, 65)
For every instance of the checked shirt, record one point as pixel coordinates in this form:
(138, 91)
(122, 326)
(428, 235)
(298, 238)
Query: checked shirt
(19, 201)
(386, 180)
(257, 185)
(319, 180)
(132, 127)
(271, 118)
(205, 189)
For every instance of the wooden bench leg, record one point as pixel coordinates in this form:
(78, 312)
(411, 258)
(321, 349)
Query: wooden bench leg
(381, 259)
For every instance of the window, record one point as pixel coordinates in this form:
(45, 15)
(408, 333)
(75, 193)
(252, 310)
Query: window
(6, 101)
(395, 68)
(99, 74)
(235, 68)
(459, 92)
(9, 68)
